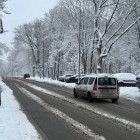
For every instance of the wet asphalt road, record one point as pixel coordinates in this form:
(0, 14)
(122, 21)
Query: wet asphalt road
(52, 127)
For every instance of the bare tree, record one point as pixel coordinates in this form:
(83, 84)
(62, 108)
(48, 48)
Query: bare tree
(31, 34)
(2, 9)
(107, 15)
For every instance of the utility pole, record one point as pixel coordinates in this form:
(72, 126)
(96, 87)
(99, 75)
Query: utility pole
(80, 12)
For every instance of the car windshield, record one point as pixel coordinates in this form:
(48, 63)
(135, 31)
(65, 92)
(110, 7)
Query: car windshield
(106, 81)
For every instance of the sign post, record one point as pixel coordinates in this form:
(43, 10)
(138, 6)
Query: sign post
(33, 68)
(40, 66)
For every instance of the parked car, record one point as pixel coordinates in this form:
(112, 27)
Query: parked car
(100, 86)
(126, 79)
(74, 78)
(64, 77)
(26, 75)
(138, 81)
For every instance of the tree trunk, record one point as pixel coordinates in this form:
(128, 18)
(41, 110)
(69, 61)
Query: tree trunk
(99, 58)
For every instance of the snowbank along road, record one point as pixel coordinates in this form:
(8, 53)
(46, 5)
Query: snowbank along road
(58, 115)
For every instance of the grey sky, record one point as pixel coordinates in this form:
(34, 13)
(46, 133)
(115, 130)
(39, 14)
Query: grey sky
(23, 11)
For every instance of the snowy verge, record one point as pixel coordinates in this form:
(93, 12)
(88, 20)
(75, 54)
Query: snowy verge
(14, 124)
(55, 82)
(130, 93)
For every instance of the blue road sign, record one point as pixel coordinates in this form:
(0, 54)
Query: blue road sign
(40, 66)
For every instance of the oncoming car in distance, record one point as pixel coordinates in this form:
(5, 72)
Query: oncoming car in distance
(100, 86)
(26, 76)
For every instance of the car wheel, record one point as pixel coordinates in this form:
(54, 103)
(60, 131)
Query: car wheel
(114, 100)
(89, 97)
(75, 93)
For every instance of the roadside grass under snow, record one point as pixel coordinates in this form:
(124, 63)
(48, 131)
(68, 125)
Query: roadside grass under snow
(130, 93)
(14, 124)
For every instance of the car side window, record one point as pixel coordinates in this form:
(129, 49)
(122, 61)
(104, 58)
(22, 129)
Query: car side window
(85, 81)
(91, 80)
(81, 81)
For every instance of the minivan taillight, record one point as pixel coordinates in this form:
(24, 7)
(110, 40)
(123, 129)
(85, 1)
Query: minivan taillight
(118, 87)
(95, 87)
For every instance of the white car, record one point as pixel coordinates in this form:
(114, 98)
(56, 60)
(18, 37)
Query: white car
(101, 86)
(126, 79)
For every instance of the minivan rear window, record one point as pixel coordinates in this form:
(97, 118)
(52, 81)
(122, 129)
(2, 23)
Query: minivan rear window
(106, 81)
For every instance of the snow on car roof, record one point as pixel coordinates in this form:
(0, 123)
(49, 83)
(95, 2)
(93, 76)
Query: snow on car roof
(100, 75)
(105, 74)
(125, 76)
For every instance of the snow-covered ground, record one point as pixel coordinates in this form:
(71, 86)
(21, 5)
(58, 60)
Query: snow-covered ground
(130, 93)
(56, 82)
(14, 124)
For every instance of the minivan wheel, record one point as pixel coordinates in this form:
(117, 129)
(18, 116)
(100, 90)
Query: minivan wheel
(89, 97)
(114, 100)
(75, 94)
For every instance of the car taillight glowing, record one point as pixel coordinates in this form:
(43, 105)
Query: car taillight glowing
(118, 87)
(95, 87)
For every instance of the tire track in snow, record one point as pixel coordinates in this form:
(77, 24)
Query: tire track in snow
(84, 129)
(126, 123)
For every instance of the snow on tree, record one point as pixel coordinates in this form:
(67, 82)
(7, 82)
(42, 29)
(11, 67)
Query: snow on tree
(108, 14)
(106, 30)
(31, 34)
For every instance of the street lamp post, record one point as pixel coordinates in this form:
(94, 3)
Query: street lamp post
(79, 34)
(43, 59)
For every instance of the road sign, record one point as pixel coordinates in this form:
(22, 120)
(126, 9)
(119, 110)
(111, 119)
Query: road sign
(40, 66)
(33, 67)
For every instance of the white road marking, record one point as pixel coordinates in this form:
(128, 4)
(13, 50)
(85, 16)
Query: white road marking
(62, 115)
(128, 124)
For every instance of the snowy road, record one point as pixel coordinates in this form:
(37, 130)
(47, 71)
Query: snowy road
(59, 116)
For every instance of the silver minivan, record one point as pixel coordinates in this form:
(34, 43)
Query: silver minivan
(100, 86)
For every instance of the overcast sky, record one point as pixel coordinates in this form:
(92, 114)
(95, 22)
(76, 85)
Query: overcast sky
(23, 11)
